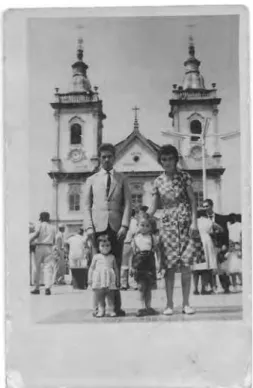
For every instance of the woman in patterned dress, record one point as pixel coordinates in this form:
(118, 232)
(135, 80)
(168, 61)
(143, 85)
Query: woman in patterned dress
(180, 242)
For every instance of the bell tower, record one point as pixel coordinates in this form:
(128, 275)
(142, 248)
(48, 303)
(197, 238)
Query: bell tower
(79, 119)
(192, 103)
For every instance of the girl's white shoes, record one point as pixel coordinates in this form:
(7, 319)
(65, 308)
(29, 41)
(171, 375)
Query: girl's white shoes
(188, 310)
(168, 311)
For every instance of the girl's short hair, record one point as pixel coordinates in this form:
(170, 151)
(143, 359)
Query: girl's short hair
(103, 238)
(145, 217)
(167, 149)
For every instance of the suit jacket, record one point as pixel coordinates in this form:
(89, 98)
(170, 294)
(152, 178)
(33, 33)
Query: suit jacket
(100, 211)
(222, 238)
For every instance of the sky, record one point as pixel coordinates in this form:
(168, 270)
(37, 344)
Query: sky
(133, 61)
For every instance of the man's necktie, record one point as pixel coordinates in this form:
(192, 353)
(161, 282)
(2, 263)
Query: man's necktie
(108, 185)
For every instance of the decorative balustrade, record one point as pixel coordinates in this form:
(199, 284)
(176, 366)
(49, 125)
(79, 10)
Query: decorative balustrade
(73, 98)
(191, 95)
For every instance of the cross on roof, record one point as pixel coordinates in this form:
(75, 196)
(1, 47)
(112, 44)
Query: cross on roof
(135, 109)
(136, 124)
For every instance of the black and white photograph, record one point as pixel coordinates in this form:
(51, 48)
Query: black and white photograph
(136, 200)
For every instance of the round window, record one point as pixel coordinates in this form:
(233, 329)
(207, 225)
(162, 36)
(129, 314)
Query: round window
(136, 158)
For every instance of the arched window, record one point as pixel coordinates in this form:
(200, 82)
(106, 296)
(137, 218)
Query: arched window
(196, 129)
(76, 134)
(74, 202)
(199, 197)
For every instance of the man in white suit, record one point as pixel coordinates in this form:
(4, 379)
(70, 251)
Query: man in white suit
(108, 207)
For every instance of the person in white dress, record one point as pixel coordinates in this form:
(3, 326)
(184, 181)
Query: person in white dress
(79, 248)
(234, 254)
(103, 277)
(207, 228)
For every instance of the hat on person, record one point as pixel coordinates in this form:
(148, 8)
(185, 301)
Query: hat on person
(61, 226)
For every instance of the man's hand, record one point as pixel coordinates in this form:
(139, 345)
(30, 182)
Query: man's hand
(117, 283)
(91, 233)
(131, 272)
(194, 230)
(121, 235)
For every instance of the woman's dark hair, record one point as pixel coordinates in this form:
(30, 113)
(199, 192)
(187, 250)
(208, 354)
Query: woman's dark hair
(167, 149)
(44, 217)
(106, 147)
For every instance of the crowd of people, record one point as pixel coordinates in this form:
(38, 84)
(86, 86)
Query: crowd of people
(117, 243)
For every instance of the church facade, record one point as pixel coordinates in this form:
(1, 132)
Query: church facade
(79, 129)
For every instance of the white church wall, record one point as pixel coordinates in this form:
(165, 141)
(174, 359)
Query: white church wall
(89, 137)
(63, 204)
(206, 111)
(146, 162)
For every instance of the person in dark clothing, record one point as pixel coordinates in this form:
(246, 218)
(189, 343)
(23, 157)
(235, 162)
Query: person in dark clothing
(221, 240)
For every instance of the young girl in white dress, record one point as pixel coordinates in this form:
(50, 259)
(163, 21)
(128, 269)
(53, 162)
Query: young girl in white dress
(104, 277)
(234, 254)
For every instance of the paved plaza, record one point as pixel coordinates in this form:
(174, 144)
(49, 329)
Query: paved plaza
(68, 306)
(65, 349)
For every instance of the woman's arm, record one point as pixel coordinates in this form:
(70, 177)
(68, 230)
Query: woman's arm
(91, 269)
(154, 204)
(193, 206)
(155, 200)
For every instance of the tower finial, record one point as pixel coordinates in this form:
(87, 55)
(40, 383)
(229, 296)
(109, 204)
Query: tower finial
(136, 123)
(80, 49)
(191, 47)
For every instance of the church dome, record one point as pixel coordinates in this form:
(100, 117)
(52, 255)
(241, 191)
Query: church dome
(80, 81)
(192, 79)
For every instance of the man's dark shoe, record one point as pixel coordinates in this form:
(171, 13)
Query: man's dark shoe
(121, 313)
(204, 292)
(35, 292)
(141, 313)
(47, 291)
(196, 292)
(151, 311)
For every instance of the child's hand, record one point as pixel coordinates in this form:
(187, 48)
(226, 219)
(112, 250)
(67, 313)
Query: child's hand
(161, 271)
